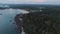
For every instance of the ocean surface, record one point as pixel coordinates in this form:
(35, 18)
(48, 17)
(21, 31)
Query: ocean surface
(7, 25)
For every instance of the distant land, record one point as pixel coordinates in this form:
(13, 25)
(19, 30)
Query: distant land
(27, 6)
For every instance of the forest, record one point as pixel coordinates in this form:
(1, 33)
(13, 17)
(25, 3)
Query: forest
(46, 21)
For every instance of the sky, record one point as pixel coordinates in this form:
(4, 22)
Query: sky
(30, 1)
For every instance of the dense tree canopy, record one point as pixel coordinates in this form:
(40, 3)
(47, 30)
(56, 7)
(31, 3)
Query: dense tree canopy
(47, 21)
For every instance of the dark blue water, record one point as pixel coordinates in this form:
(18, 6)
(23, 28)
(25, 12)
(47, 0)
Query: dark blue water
(7, 25)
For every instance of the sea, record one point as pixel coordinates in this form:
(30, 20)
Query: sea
(7, 23)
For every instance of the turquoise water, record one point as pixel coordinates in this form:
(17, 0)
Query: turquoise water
(7, 25)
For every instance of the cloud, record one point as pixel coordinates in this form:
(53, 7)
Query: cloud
(30, 1)
(21, 1)
(35, 0)
(52, 2)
